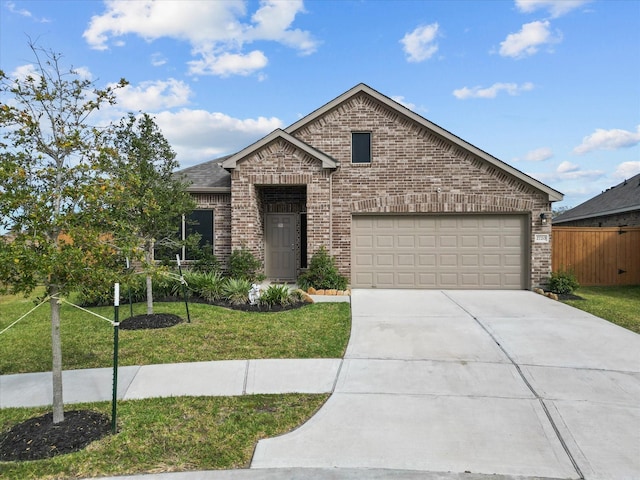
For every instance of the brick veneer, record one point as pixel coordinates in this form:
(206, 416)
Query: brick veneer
(413, 170)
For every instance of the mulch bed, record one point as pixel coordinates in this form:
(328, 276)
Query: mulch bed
(38, 438)
(155, 320)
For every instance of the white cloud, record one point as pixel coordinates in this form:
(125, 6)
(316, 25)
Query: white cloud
(537, 155)
(215, 30)
(626, 170)
(400, 99)
(608, 140)
(528, 40)
(492, 91)
(153, 95)
(556, 8)
(420, 45)
(158, 59)
(228, 64)
(199, 135)
(24, 71)
(567, 171)
(23, 12)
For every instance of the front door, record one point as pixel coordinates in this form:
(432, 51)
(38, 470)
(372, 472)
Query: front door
(280, 248)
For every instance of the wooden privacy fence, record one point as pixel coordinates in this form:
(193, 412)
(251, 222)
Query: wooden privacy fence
(598, 256)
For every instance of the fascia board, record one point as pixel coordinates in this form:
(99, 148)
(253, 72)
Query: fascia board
(327, 162)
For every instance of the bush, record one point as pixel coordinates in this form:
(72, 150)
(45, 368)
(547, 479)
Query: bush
(322, 273)
(244, 265)
(563, 282)
(276, 295)
(236, 290)
(209, 286)
(204, 260)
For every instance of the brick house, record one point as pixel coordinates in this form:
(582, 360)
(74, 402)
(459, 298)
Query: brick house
(618, 206)
(397, 200)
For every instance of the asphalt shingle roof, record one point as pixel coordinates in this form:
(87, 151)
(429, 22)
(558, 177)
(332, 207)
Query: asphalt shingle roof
(624, 197)
(206, 176)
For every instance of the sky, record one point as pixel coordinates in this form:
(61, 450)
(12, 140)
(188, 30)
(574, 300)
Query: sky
(551, 87)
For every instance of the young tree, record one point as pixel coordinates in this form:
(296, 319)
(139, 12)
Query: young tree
(52, 188)
(154, 199)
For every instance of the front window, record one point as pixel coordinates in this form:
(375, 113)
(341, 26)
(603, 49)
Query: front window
(361, 147)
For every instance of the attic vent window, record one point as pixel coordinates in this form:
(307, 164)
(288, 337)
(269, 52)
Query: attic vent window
(361, 147)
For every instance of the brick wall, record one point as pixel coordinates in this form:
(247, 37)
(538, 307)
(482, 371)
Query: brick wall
(412, 171)
(628, 219)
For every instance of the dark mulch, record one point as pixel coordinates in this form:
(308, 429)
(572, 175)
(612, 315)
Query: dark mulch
(246, 307)
(38, 438)
(155, 320)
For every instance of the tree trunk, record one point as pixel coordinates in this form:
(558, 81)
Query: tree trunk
(150, 265)
(56, 348)
(149, 295)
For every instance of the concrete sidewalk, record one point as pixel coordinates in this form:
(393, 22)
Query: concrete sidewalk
(223, 378)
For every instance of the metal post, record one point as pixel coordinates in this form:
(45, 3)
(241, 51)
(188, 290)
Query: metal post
(184, 289)
(116, 328)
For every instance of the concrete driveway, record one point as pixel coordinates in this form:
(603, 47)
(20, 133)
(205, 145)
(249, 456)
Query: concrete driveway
(487, 382)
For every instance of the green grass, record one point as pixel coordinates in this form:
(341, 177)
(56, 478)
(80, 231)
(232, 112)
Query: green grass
(619, 305)
(215, 333)
(171, 434)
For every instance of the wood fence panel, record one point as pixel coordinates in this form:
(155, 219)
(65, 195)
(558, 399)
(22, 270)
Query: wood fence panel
(598, 256)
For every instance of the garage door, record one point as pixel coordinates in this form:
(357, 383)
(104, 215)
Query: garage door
(453, 251)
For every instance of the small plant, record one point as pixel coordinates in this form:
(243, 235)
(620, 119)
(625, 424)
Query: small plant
(210, 286)
(563, 282)
(243, 264)
(322, 273)
(276, 295)
(236, 290)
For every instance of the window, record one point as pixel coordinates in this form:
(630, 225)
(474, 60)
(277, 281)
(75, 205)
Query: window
(201, 222)
(361, 147)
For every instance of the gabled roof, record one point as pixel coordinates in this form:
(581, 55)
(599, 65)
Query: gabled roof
(554, 195)
(622, 198)
(327, 161)
(207, 177)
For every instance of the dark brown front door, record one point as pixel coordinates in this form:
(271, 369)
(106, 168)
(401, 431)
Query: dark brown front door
(280, 251)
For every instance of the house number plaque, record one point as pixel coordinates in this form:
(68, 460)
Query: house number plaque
(541, 238)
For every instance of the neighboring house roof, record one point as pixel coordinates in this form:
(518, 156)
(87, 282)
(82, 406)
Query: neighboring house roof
(622, 198)
(327, 161)
(207, 177)
(554, 195)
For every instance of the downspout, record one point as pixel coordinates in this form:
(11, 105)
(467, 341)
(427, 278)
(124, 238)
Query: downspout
(331, 212)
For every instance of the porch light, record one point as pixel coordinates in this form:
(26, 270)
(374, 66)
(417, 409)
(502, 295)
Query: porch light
(543, 218)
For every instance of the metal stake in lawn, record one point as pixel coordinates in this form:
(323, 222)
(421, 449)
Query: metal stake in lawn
(116, 327)
(184, 288)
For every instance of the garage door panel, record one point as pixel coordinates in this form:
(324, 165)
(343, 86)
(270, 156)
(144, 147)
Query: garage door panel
(430, 251)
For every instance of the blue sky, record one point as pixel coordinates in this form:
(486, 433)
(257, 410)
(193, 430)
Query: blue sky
(551, 87)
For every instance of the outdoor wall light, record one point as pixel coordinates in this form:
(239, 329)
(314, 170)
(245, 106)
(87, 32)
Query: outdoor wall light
(543, 218)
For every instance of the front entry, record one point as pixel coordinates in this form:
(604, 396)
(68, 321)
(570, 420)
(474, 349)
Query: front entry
(280, 246)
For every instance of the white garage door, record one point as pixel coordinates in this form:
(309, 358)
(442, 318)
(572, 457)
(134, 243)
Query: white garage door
(429, 251)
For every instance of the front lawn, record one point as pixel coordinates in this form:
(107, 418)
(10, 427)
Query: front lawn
(215, 333)
(169, 434)
(619, 305)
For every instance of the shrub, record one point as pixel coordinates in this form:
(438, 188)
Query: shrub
(276, 295)
(209, 286)
(236, 290)
(244, 265)
(204, 260)
(563, 282)
(322, 273)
